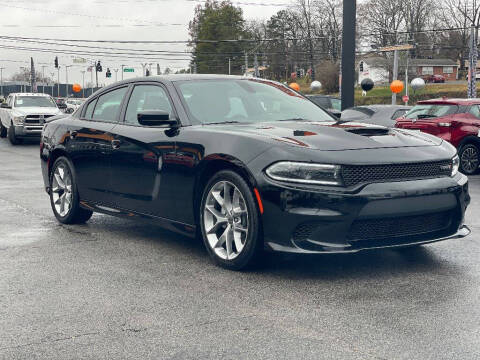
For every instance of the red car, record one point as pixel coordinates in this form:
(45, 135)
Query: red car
(454, 120)
(434, 79)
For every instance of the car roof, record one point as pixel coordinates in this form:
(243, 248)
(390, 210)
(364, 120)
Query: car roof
(451, 101)
(30, 94)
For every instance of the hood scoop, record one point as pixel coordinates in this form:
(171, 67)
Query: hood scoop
(364, 131)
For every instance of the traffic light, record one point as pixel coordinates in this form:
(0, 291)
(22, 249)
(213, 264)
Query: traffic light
(147, 72)
(108, 74)
(299, 74)
(56, 62)
(99, 67)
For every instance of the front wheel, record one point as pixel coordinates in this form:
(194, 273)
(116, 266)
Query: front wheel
(230, 222)
(469, 159)
(14, 140)
(64, 195)
(3, 130)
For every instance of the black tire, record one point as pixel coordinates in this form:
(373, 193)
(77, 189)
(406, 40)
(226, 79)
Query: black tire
(14, 140)
(469, 155)
(253, 246)
(76, 214)
(3, 131)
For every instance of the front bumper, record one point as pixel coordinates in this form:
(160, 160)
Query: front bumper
(28, 130)
(380, 215)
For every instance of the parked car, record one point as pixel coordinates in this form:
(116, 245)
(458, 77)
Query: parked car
(72, 105)
(454, 120)
(249, 164)
(384, 115)
(22, 115)
(329, 103)
(434, 78)
(61, 104)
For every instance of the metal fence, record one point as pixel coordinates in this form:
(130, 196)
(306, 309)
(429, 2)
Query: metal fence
(48, 89)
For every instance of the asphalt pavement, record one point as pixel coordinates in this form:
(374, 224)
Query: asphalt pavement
(117, 289)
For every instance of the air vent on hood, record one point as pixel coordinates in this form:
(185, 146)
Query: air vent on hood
(368, 131)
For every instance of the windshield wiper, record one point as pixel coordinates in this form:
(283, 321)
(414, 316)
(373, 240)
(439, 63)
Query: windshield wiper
(222, 122)
(294, 119)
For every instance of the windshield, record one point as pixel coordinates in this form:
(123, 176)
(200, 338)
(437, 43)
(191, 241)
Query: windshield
(431, 110)
(246, 101)
(34, 101)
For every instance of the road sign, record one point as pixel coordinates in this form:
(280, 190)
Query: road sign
(128, 70)
(405, 98)
(79, 60)
(397, 47)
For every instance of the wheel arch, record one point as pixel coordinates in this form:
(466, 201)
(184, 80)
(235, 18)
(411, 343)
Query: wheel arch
(55, 154)
(210, 166)
(469, 140)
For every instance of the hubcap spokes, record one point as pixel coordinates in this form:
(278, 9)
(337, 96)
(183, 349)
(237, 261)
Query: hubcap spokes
(62, 190)
(469, 159)
(225, 219)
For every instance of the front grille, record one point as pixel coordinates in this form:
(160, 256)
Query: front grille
(358, 174)
(374, 229)
(36, 119)
(305, 230)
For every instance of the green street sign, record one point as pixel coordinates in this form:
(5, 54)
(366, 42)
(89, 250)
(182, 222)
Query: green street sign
(129, 70)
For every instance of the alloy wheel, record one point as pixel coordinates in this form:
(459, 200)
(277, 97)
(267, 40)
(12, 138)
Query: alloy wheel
(469, 159)
(225, 220)
(62, 190)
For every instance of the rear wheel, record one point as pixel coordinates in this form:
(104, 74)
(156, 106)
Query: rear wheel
(64, 195)
(230, 222)
(469, 159)
(14, 140)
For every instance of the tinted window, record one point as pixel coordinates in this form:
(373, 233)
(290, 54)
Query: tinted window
(108, 105)
(321, 101)
(89, 111)
(431, 110)
(475, 111)
(146, 97)
(248, 101)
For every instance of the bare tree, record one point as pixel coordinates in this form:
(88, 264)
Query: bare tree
(328, 19)
(306, 24)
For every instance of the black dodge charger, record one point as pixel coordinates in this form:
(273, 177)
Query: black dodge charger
(249, 165)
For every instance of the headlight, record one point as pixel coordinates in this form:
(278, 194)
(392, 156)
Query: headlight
(455, 165)
(18, 120)
(306, 173)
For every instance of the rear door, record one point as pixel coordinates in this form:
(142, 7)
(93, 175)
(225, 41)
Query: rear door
(90, 144)
(140, 160)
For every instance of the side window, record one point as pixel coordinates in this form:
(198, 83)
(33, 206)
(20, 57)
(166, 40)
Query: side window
(398, 113)
(108, 105)
(89, 111)
(475, 111)
(336, 104)
(146, 97)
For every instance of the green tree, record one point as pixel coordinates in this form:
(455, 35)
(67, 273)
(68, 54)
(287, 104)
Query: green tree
(216, 20)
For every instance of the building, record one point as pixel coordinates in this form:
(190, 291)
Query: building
(380, 69)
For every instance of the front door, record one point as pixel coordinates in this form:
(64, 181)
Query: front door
(139, 161)
(90, 145)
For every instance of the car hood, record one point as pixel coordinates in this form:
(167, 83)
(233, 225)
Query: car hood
(330, 135)
(37, 111)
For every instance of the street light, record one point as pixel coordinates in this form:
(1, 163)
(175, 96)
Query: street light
(53, 83)
(43, 78)
(83, 83)
(116, 73)
(66, 79)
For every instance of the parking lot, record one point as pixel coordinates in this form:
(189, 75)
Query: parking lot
(120, 289)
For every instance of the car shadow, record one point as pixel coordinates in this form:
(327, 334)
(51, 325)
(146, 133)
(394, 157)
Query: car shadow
(364, 264)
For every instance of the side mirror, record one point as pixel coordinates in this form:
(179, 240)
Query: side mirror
(155, 118)
(337, 114)
(5, 106)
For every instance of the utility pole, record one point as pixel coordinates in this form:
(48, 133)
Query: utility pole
(348, 53)
(66, 79)
(83, 83)
(255, 65)
(91, 79)
(472, 65)
(406, 81)
(43, 78)
(58, 81)
(395, 74)
(122, 69)
(1, 80)
(116, 73)
(229, 67)
(246, 62)
(53, 83)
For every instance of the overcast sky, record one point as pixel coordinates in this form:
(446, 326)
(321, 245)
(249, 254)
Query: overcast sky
(102, 20)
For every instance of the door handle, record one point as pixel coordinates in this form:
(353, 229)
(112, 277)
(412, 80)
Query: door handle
(73, 134)
(116, 143)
